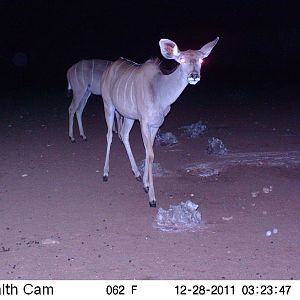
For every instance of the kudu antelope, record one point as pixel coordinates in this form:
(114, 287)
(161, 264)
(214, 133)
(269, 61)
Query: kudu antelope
(142, 92)
(84, 79)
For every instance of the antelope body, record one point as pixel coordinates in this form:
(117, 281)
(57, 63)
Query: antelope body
(84, 79)
(142, 92)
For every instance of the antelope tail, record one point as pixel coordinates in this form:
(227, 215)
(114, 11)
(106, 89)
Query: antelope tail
(69, 92)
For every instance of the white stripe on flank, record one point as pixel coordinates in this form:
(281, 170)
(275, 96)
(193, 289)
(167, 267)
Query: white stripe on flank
(76, 75)
(129, 77)
(82, 73)
(93, 73)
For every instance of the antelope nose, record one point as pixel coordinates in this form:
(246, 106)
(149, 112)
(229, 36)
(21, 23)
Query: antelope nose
(195, 76)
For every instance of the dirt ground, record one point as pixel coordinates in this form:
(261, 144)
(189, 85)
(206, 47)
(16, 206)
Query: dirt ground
(59, 220)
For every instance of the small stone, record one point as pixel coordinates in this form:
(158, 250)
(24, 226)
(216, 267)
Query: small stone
(227, 218)
(49, 242)
(268, 233)
(267, 190)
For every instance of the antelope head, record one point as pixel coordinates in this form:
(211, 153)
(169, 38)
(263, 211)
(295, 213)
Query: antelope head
(190, 61)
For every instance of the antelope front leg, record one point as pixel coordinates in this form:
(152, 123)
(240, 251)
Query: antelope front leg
(71, 121)
(74, 106)
(126, 127)
(109, 116)
(119, 121)
(79, 113)
(147, 134)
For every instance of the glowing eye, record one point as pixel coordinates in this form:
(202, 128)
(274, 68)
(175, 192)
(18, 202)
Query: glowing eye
(182, 60)
(200, 60)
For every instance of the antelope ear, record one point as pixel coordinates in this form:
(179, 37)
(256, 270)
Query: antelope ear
(168, 49)
(206, 49)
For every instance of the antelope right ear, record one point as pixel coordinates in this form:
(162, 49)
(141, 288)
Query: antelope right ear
(168, 49)
(206, 49)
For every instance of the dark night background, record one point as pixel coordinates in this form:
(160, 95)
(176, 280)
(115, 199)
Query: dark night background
(259, 40)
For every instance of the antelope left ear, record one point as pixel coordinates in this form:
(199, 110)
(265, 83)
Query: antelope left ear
(168, 49)
(206, 49)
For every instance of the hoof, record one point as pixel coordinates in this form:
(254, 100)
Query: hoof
(152, 204)
(84, 138)
(139, 178)
(105, 178)
(146, 189)
(72, 140)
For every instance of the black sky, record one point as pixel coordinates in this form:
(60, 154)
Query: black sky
(258, 39)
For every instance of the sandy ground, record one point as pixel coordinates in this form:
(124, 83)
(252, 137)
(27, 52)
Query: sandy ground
(59, 220)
